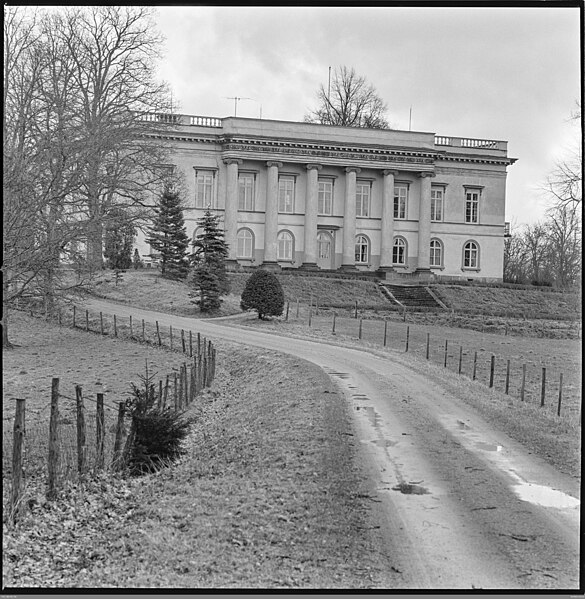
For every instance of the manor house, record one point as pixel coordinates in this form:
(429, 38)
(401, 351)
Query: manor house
(403, 204)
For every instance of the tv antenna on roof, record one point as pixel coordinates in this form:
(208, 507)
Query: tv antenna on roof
(235, 99)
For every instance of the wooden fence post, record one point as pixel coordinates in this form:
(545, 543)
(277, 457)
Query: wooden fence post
(117, 461)
(86, 321)
(360, 328)
(492, 368)
(171, 336)
(143, 334)
(385, 332)
(460, 358)
(99, 432)
(115, 327)
(523, 382)
(446, 351)
(297, 307)
(101, 323)
(543, 387)
(407, 338)
(164, 403)
(333, 325)
(17, 457)
(560, 394)
(158, 333)
(160, 394)
(474, 365)
(287, 307)
(190, 344)
(175, 396)
(428, 344)
(131, 334)
(73, 316)
(81, 448)
(356, 309)
(183, 341)
(53, 461)
(193, 386)
(181, 388)
(198, 345)
(310, 315)
(507, 376)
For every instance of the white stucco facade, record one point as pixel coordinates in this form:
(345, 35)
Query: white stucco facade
(297, 195)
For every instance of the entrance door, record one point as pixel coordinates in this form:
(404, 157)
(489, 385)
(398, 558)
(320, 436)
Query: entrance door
(324, 250)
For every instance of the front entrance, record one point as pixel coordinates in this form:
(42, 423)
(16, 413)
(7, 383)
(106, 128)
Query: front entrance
(325, 253)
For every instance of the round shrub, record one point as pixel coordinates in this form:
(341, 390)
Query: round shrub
(263, 293)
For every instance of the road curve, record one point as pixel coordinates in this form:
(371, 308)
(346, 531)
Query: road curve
(462, 505)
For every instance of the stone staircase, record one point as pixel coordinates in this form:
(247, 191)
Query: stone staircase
(412, 296)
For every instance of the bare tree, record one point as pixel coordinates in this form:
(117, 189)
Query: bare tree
(515, 259)
(565, 183)
(564, 247)
(114, 50)
(351, 102)
(536, 247)
(77, 87)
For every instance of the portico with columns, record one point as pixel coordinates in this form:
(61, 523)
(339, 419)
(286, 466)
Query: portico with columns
(394, 203)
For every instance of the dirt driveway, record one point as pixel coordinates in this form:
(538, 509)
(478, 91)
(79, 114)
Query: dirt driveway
(463, 505)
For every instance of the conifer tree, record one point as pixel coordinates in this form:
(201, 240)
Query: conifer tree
(168, 236)
(209, 279)
(263, 293)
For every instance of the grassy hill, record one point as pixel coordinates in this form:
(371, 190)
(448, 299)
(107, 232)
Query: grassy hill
(148, 289)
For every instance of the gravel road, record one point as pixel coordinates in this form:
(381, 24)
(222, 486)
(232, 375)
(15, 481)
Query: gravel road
(461, 504)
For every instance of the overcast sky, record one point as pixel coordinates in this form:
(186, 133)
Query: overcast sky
(508, 74)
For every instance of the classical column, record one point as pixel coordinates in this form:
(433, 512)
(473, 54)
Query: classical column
(231, 209)
(311, 209)
(348, 260)
(387, 231)
(424, 223)
(271, 215)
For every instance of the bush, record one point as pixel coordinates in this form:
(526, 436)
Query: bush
(263, 293)
(156, 435)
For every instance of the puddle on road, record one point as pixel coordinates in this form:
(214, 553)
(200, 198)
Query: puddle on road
(489, 446)
(545, 496)
(381, 442)
(410, 489)
(370, 413)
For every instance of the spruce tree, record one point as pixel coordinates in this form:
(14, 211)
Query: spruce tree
(209, 279)
(118, 239)
(168, 236)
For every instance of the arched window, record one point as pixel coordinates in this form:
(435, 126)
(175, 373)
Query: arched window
(471, 255)
(245, 244)
(285, 246)
(436, 257)
(362, 249)
(399, 252)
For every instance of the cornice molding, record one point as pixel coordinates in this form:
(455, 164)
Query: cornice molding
(259, 147)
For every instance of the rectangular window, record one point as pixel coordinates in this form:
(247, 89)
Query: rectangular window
(286, 194)
(472, 205)
(246, 191)
(325, 198)
(362, 198)
(437, 196)
(400, 201)
(204, 181)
